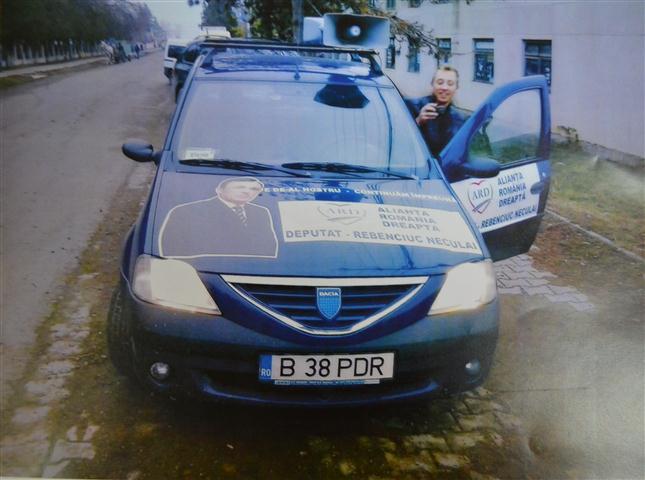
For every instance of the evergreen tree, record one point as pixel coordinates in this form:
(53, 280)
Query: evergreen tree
(37, 22)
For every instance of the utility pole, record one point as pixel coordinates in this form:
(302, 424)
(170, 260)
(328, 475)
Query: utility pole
(296, 20)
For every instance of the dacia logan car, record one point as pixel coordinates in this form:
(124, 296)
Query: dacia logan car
(301, 246)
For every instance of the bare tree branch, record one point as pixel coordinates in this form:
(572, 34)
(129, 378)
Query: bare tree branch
(412, 32)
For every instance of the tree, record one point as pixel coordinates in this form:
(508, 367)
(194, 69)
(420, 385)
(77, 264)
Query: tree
(296, 20)
(273, 19)
(278, 19)
(36, 22)
(282, 19)
(220, 13)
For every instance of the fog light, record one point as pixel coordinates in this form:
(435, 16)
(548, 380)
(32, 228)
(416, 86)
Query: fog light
(473, 367)
(159, 370)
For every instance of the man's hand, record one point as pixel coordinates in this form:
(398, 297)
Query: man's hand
(428, 112)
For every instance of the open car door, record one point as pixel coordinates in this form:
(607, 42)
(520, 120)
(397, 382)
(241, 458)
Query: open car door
(510, 131)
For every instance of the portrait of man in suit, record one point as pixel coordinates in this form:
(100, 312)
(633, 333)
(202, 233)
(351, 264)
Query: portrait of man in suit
(228, 224)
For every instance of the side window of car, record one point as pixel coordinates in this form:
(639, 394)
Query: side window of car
(191, 54)
(512, 134)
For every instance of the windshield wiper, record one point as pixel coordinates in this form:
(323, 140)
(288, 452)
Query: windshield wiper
(344, 168)
(238, 165)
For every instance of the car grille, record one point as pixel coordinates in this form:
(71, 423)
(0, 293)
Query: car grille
(298, 302)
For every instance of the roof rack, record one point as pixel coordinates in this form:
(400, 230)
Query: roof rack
(277, 44)
(262, 44)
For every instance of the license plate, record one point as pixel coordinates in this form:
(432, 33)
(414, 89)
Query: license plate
(326, 369)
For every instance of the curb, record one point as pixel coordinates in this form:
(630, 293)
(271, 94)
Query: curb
(27, 75)
(597, 236)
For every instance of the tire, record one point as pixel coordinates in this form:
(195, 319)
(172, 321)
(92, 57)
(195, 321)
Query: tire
(118, 336)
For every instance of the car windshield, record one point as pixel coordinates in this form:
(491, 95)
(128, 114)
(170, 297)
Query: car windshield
(290, 123)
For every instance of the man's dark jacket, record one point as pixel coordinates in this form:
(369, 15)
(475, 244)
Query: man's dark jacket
(437, 133)
(210, 228)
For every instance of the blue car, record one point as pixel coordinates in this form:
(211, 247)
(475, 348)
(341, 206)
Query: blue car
(301, 246)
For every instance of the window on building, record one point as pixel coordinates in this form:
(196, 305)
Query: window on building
(444, 51)
(390, 4)
(390, 54)
(537, 58)
(414, 3)
(413, 58)
(484, 60)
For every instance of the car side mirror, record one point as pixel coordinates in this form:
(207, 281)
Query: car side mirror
(480, 167)
(139, 151)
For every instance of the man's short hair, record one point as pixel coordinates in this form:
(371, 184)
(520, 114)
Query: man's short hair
(446, 68)
(223, 183)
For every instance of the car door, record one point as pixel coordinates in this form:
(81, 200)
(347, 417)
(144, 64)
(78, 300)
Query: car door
(512, 127)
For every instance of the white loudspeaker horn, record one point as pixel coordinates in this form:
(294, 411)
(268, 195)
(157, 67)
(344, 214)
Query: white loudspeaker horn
(312, 30)
(355, 31)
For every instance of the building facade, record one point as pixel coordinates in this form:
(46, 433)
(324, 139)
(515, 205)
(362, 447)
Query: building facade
(593, 54)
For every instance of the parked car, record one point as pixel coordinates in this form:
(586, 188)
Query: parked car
(192, 50)
(301, 246)
(185, 62)
(174, 49)
(201, 46)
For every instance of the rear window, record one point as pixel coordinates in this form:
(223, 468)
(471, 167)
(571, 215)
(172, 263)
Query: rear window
(283, 122)
(175, 51)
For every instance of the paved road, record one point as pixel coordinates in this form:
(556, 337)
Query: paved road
(565, 397)
(61, 165)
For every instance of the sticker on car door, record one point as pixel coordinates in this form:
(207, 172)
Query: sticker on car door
(502, 200)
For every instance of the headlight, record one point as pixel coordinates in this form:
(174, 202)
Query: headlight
(467, 286)
(171, 283)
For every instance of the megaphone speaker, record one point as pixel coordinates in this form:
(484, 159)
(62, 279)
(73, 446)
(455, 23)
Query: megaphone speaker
(355, 31)
(312, 30)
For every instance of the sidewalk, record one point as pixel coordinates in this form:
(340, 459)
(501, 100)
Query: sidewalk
(49, 67)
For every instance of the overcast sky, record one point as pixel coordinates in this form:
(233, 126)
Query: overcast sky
(176, 17)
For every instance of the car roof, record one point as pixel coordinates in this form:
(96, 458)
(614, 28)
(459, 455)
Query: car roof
(180, 42)
(279, 61)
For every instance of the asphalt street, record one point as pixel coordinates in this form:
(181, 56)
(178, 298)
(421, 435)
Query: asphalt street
(565, 398)
(61, 164)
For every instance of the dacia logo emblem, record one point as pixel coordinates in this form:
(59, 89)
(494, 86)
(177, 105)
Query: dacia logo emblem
(328, 301)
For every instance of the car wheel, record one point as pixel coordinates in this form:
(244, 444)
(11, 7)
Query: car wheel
(118, 336)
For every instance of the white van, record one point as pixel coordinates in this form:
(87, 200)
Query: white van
(174, 48)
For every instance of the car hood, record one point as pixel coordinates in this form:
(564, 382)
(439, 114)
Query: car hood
(312, 227)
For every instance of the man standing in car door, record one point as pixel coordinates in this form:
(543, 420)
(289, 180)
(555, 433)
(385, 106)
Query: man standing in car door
(437, 117)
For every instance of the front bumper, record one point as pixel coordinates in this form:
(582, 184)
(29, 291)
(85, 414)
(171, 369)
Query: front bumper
(214, 357)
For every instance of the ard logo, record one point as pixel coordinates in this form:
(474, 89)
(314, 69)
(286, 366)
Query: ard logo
(328, 301)
(480, 195)
(343, 213)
